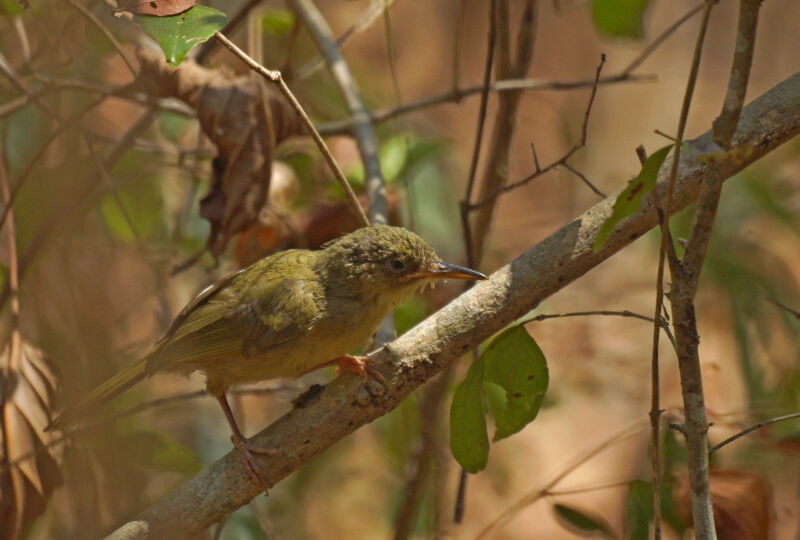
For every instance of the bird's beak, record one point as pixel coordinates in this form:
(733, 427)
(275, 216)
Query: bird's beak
(442, 270)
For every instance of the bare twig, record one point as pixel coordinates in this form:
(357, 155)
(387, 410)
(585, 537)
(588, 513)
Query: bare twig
(647, 51)
(275, 77)
(466, 226)
(415, 357)
(752, 428)
(362, 129)
(588, 489)
(476, 150)
(560, 162)
(233, 23)
(457, 34)
(496, 171)
(370, 15)
(686, 273)
(662, 323)
(456, 95)
(784, 307)
(424, 462)
(109, 36)
(523, 502)
(655, 383)
(390, 52)
(691, 380)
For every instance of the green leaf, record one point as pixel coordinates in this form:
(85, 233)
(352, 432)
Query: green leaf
(512, 376)
(629, 200)
(515, 362)
(640, 509)
(469, 440)
(620, 18)
(177, 34)
(583, 522)
(277, 21)
(155, 451)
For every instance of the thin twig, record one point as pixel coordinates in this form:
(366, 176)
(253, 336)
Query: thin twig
(109, 36)
(523, 502)
(233, 23)
(684, 281)
(370, 15)
(476, 150)
(753, 428)
(625, 313)
(496, 169)
(655, 383)
(455, 96)
(457, 34)
(585, 180)
(560, 162)
(647, 51)
(588, 489)
(784, 307)
(466, 228)
(391, 53)
(275, 77)
(423, 463)
(362, 128)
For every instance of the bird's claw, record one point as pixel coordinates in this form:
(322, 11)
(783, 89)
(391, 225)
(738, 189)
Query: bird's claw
(360, 365)
(246, 451)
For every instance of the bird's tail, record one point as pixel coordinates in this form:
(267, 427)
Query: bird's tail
(101, 395)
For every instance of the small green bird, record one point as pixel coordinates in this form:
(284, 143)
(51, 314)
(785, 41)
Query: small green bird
(284, 316)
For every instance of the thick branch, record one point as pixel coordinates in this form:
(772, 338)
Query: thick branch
(345, 404)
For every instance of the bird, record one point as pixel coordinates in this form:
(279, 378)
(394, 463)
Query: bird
(283, 316)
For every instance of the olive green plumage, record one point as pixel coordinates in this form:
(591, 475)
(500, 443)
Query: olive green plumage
(287, 314)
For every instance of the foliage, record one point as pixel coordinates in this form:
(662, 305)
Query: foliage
(177, 34)
(511, 376)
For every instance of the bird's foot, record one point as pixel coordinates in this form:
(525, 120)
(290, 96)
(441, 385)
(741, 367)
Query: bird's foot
(246, 451)
(360, 365)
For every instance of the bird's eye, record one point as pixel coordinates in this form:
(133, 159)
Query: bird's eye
(397, 265)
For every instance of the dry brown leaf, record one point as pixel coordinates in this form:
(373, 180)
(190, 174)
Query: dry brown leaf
(28, 387)
(741, 504)
(161, 8)
(245, 120)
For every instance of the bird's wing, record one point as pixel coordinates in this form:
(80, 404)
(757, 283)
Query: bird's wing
(236, 321)
(203, 310)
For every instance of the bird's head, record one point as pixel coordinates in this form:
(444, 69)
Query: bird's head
(383, 259)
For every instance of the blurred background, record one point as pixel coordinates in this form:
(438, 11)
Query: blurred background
(110, 250)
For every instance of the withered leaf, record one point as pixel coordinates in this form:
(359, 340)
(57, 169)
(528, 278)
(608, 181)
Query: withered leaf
(161, 8)
(245, 120)
(29, 468)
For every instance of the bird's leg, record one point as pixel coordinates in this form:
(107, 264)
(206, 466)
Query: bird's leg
(241, 444)
(357, 364)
